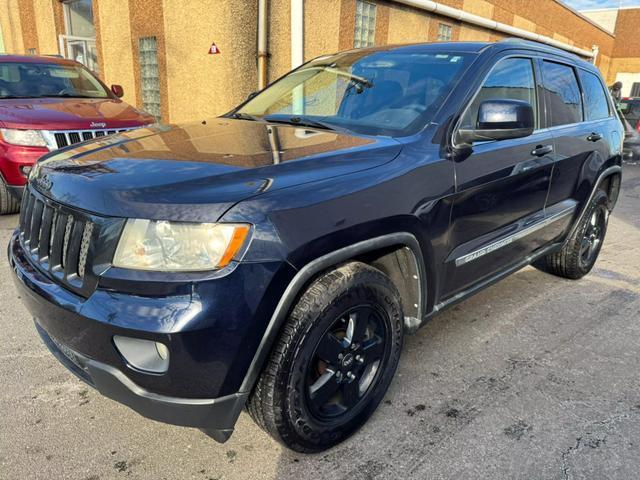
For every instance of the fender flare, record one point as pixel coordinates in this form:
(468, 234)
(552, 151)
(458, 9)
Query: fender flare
(603, 175)
(306, 273)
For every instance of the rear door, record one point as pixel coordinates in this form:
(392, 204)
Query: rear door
(501, 186)
(578, 115)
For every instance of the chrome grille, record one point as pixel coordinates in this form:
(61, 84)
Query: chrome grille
(55, 238)
(64, 138)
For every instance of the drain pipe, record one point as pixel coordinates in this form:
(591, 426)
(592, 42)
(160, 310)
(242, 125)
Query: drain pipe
(466, 17)
(263, 54)
(297, 51)
(297, 33)
(595, 49)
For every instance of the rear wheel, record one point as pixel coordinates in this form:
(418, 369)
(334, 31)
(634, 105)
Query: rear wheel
(8, 204)
(334, 360)
(579, 254)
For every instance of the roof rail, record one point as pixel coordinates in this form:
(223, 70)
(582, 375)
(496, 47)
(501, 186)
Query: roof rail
(533, 43)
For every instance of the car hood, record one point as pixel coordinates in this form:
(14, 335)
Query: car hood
(195, 172)
(70, 113)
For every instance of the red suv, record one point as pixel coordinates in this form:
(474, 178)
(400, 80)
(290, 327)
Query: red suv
(48, 103)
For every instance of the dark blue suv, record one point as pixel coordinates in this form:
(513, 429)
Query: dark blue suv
(273, 258)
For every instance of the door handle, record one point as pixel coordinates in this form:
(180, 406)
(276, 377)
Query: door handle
(542, 150)
(594, 137)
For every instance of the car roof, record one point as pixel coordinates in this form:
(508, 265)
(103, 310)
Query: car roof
(55, 59)
(481, 47)
(472, 47)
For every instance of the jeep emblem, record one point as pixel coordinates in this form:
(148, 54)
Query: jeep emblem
(97, 124)
(44, 182)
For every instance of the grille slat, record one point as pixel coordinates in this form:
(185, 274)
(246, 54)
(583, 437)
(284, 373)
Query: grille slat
(65, 242)
(71, 260)
(61, 139)
(84, 248)
(74, 137)
(45, 233)
(57, 239)
(26, 228)
(36, 221)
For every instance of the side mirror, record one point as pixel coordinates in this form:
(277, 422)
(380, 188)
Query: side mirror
(500, 120)
(117, 90)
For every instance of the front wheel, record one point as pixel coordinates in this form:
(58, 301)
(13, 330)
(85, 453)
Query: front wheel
(579, 254)
(8, 204)
(334, 360)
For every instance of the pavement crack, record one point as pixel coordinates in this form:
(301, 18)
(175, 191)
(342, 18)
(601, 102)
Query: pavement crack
(565, 454)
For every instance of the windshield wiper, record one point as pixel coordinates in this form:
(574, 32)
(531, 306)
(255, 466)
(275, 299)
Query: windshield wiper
(245, 116)
(301, 121)
(365, 82)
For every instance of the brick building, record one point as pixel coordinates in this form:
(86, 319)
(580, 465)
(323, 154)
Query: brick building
(625, 62)
(158, 49)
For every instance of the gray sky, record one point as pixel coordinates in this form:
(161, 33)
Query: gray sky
(591, 4)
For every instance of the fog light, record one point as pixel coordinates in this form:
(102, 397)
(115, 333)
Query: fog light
(145, 355)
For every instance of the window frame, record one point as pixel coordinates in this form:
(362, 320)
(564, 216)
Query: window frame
(605, 90)
(548, 117)
(539, 104)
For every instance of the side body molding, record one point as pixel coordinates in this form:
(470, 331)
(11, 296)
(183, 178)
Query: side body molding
(405, 239)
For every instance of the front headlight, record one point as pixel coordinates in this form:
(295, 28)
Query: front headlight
(26, 138)
(178, 247)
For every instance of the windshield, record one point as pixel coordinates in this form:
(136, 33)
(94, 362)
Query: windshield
(36, 80)
(377, 93)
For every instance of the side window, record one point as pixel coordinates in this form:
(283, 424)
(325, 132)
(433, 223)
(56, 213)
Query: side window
(562, 93)
(510, 79)
(595, 100)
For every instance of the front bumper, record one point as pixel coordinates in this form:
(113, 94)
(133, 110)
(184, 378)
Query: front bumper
(211, 347)
(216, 417)
(16, 191)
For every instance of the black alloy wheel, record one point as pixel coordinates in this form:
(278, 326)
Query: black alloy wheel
(593, 237)
(579, 253)
(346, 362)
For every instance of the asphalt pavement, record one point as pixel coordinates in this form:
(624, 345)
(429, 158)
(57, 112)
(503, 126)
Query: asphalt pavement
(535, 378)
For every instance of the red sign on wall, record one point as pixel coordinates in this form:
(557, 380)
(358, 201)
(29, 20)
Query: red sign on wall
(213, 49)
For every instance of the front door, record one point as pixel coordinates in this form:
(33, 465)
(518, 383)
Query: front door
(501, 187)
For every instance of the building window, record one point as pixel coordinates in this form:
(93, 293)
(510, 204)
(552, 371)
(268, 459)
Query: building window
(365, 24)
(150, 76)
(635, 89)
(79, 43)
(445, 32)
(31, 51)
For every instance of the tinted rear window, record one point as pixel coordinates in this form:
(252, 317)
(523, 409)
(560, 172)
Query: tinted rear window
(562, 93)
(595, 100)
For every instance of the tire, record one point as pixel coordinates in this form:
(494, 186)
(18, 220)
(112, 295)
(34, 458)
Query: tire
(351, 316)
(579, 254)
(8, 204)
